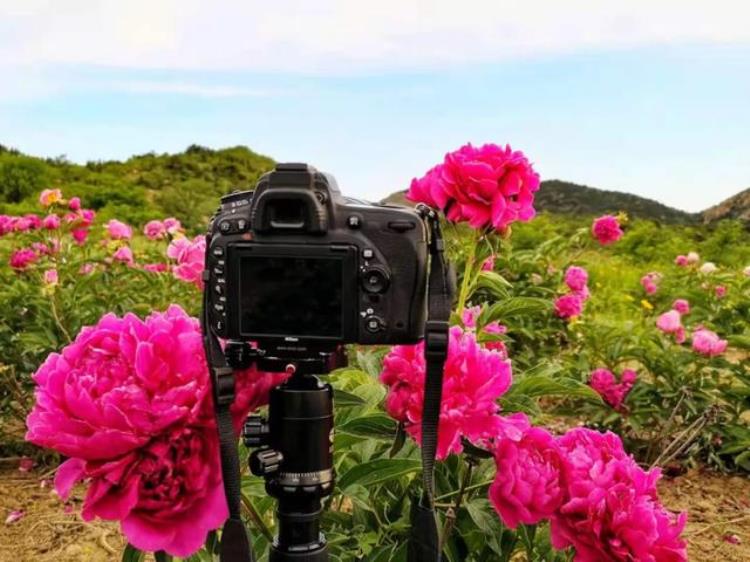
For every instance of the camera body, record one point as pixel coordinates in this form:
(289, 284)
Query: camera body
(295, 266)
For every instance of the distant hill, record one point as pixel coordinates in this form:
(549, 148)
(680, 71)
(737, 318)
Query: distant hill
(186, 185)
(736, 207)
(557, 196)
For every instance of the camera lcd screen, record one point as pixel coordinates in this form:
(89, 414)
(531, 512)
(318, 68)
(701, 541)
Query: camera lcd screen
(291, 296)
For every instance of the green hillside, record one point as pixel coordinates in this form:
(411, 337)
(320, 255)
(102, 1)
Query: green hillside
(186, 185)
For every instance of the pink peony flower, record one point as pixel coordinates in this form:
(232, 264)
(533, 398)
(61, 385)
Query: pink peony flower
(154, 230)
(486, 186)
(190, 258)
(117, 230)
(576, 278)
(603, 381)
(470, 315)
(682, 306)
(721, 291)
(21, 224)
(51, 222)
(125, 380)
(23, 258)
(156, 267)
(6, 224)
(606, 229)
(50, 197)
(528, 485)
(671, 323)
(125, 255)
(489, 263)
(611, 510)
(650, 282)
(474, 378)
(172, 225)
(26, 464)
(167, 494)
(86, 269)
(35, 223)
(80, 235)
(50, 277)
(708, 343)
(681, 261)
(74, 204)
(569, 306)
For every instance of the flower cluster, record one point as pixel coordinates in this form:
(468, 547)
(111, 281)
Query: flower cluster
(708, 343)
(473, 379)
(704, 341)
(604, 382)
(671, 323)
(487, 186)
(490, 331)
(597, 498)
(692, 258)
(571, 305)
(606, 229)
(129, 402)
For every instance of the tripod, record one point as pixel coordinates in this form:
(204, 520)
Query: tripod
(295, 454)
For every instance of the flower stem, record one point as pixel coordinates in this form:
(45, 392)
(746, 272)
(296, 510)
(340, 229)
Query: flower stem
(466, 284)
(256, 517)
(452, 513)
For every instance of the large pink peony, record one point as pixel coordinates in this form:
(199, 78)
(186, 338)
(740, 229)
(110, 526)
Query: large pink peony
(118, 230)
(474, 378)
(606, 229)
(528, 485)
(611, 509)
(167, 494)
(682, 306)
(190, 258)
(154, 230)
(671, 323)
(487, 186)
(576, 278)
(23, 258)
(569, 306)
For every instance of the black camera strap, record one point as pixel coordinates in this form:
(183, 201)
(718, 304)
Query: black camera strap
(424, 540)
(235, 545)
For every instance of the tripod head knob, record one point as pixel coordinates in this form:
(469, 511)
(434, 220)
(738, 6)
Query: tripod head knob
(264, 462)
(255, 432)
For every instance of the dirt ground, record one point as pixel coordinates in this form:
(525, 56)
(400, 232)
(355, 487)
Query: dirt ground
(718, 527)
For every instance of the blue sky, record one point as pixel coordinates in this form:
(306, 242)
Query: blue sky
(664, 113)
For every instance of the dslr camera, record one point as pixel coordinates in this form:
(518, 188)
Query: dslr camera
(294, 270)
(294, 265)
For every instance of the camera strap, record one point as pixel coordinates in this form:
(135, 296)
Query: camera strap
(235, 545)
(424, 541)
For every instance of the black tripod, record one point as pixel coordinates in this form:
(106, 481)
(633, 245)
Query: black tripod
(295, 453)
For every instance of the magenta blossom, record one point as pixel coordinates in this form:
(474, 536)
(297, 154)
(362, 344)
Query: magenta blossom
(74, 204)
(611, 509)
(80, 235)
(172, 225)
(156, 267)
(167, 494)
(489, 263)
(117, 230)
(474, 378)
(155, 230)
(22, 259)
(721, 291)
(528, 485)
(469, 319)
(576, 278)
(51, 277)
(487, 186)
(604, 382)
(682, 306)
(606, 229)
(190, 258)
(569, 306)
(708, 343)
(51, 222)
(650, 282)
(681, 261)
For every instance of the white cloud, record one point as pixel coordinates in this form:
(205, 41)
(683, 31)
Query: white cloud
(343, 36)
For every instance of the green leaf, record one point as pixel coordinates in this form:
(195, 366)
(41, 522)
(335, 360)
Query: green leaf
(162, 556)
(743, 342)
(494, 283)
(483, 515)
(377, 426)
(132, 554)
(342, 398)
(541, 385)
(514, 307)
(398, 441)
(378, 471)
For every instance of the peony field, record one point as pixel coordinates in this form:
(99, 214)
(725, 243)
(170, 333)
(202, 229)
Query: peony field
(595, 407)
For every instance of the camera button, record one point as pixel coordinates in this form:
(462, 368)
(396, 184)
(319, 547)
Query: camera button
(242, 225)
(367, 253)
(218, 289)
(402, 226)
(218, 270)
(373, 324)
(220, 326)
(225, 226)
(219, 307)
(218, 251)
(354, 221)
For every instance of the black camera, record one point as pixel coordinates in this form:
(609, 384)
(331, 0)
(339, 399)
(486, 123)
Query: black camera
(295, 264)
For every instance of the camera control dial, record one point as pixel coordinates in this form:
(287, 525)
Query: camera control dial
(375, 280)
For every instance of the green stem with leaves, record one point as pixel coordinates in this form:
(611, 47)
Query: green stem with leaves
(468, 277)
(450, 518)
